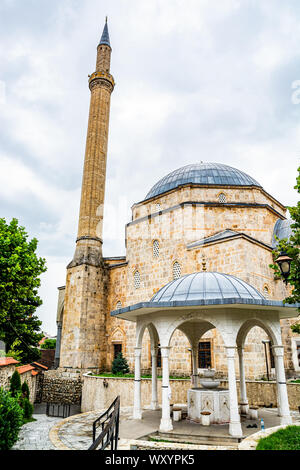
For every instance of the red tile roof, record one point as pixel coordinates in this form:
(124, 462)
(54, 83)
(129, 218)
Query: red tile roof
(7, 361)
(23, 369)
(40, 365)
(34, 372)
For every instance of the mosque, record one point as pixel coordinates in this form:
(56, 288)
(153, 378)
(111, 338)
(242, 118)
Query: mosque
(202, 236)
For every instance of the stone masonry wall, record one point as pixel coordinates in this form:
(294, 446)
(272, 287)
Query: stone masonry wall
(97, 396)
(58, 389)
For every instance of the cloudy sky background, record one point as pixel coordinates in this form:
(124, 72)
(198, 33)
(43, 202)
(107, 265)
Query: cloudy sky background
(196, 80)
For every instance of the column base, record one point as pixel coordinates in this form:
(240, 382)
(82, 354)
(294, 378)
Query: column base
(244, 408)
(235, 430)
(166, 425)
(154, 406)
(137, 414)
(285, 420)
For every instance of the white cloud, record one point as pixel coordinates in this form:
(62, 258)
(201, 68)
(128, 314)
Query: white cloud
(196, 80)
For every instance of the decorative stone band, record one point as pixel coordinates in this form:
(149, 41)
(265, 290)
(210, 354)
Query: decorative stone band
(96, 239)
(102, 79)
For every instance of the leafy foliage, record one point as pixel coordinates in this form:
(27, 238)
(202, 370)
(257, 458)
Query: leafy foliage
(120, 365)
(11, 420)
(284, 439)
(49, 344)
(292, 248)
(20, 269)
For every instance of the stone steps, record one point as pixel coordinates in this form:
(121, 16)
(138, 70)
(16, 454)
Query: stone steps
(213, 440)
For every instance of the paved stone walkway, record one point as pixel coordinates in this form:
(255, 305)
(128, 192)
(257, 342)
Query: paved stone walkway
(35, 435)
(75, 433)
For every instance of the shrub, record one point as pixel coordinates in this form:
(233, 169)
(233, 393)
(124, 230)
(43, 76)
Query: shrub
(284, 439)
(25, 390)
(15, 384)
(27, 409)
(120, 365)
(11, 420)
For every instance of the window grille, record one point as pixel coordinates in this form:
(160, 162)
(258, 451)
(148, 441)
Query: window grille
(176, 270)
(119, 305)
(156, 249)
(137, 280)
(222, 198)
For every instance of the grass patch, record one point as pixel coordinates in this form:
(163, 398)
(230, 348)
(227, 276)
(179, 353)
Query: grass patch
(284, 439)
(295, 381)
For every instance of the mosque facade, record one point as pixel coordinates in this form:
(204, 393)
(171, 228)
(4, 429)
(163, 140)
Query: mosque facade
(203, 217)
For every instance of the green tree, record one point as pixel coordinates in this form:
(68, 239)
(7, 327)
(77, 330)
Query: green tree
(15, 384)
(49, 344)
(25, 390)
(120, 365)
(11, 420)
(20, 269)
(292, 248)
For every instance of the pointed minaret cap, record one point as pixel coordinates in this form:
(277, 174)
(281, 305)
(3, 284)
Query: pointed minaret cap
(105, 36)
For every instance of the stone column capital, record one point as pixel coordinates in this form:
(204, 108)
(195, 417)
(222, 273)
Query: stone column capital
(230, 351)
(137, 352)
(165, 351)
(278, 350)
(154, 352)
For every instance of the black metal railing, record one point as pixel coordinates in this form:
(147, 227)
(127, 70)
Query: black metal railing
(109, 423)
(58, 410)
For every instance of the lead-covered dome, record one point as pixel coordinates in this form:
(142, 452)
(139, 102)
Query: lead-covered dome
(207, 286)
(202, 173)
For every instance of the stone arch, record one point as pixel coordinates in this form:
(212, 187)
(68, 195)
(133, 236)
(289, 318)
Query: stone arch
(271, 330)
(140, 330)
(195, 318)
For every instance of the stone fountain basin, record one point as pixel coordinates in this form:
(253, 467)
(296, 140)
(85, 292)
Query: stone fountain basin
(211, 384)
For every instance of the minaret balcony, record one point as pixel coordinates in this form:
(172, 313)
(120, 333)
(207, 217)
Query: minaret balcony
(102, 76)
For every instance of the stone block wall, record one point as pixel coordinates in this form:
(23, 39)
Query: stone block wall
(58, 389)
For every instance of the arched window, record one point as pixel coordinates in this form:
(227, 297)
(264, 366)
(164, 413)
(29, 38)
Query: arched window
(266, 292)
(137, 280)
(157, 207)
(156, 249)
(176, 270)
(222, 198)
(119, 305)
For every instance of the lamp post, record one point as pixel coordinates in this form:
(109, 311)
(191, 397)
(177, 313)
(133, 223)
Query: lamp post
(284, 263)
(265, 345)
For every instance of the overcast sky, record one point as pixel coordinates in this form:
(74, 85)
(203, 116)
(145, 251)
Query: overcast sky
(211, 80)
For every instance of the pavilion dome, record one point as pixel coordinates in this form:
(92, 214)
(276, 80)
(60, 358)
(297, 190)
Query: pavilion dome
(213, 174)
(207, 286)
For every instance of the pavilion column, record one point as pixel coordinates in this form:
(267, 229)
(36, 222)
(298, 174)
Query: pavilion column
(195, 365)
(243, 388)
(282, 395)
(137, 407)
(235, 428)
(166, 422)
(154, 402)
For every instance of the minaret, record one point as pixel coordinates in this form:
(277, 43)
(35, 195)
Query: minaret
(101, 83)
(83, 344)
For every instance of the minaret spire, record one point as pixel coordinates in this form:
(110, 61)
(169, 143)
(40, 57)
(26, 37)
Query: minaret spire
(105, 36)
(101, 83)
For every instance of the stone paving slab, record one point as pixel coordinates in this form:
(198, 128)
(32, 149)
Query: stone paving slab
(35, 435)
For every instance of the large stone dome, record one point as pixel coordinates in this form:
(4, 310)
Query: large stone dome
(207, 286)
(214, 174)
